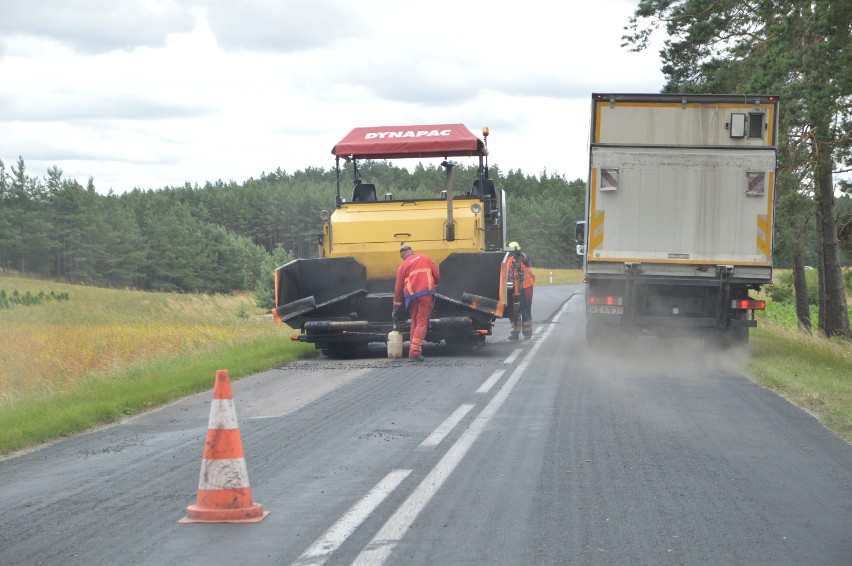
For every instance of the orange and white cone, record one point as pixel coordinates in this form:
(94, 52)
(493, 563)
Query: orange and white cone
(224, 494)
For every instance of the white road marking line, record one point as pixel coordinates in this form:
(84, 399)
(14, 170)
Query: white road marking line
(381, 546)
(513, 357)
(489, 383)
(331, 540)
(445, 427)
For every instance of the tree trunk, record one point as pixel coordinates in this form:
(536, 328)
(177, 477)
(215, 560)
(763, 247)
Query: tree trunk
(821, 272)
(836, 313)
(800, 284)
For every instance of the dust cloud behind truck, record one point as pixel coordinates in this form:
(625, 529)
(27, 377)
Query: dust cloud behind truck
(679, 214)
(343, 300)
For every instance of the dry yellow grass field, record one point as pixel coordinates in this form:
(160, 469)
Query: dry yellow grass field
(46, 348)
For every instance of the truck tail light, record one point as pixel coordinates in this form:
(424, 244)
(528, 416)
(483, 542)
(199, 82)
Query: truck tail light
(748, 304)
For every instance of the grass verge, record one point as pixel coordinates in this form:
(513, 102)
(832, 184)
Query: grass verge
(97, 401)
(557, 276)
(811, 372)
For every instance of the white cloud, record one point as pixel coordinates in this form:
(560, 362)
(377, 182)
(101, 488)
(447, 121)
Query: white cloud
(263, 25)
(95, 26)
(195, 91)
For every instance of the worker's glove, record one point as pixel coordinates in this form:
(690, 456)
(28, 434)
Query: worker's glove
(397, 314)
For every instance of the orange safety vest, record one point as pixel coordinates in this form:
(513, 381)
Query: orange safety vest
(529, 277)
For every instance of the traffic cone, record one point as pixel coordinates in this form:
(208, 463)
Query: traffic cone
(224, 494)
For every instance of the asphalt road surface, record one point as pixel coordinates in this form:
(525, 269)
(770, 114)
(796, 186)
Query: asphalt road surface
(538, 452)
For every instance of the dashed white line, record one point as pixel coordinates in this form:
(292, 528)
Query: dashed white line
(513, 356)
(445, 427)
(489, 383)
(381, 546)
(331, 540)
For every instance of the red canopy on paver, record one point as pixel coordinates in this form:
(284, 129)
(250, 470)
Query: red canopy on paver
(388, 142)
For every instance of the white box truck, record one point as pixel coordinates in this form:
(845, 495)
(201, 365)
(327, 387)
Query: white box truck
(679, 214)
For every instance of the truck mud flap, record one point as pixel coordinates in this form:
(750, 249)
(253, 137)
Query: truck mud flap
(452, 325)
(483, 304)
(470, 304)
(296, 308)
(297, 313)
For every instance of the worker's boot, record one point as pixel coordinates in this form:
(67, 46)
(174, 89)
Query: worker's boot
(514, 335)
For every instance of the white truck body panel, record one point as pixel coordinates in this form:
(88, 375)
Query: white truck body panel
(675, 184)
(681, 205)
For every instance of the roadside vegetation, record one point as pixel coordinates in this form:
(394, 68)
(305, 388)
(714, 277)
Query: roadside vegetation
(105, 354)
(544, 276)
(809, 370)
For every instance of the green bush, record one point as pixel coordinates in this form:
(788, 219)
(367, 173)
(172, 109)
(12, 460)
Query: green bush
(265, 293)
(7, 301)
(785, 291)
(780, 293)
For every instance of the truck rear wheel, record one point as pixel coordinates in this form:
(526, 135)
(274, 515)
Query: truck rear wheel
(345, 351)
(463, 343)
(736, 337)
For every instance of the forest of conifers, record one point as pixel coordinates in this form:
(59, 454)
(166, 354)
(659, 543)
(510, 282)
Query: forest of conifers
(221, 237)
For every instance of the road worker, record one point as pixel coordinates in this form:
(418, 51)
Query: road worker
(523, 281)
(416, 279)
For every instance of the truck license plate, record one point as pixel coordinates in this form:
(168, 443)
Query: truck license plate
(605, 309)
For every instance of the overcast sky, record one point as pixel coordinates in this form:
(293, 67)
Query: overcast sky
(156, 93)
